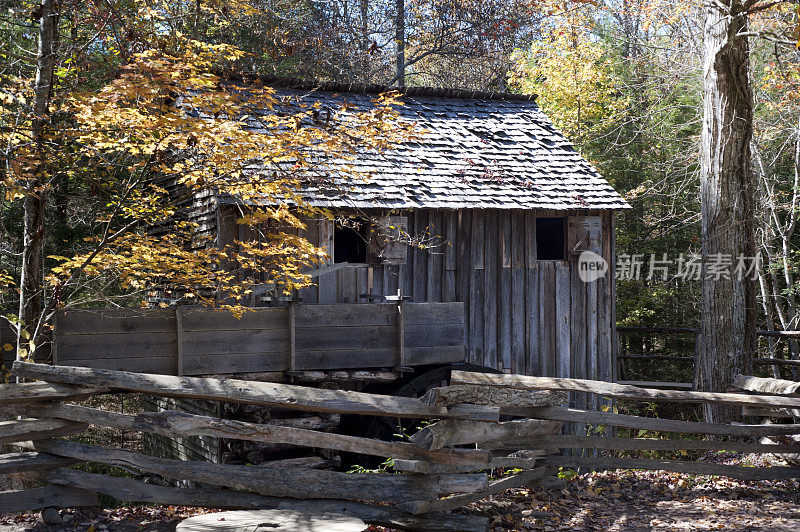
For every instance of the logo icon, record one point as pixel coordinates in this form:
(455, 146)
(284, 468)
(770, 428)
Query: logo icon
(591, 266)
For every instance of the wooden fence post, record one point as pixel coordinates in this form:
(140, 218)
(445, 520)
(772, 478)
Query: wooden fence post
(401, 330)
(179, 339)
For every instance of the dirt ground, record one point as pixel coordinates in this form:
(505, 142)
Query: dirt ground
(608, 501)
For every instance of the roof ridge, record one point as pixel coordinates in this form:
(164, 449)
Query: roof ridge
(372, 88)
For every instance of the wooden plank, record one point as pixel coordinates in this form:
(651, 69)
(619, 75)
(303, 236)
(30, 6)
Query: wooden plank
(464, 269)
(46, 497)
(115, 321)
(346, 358)
(450, 223)
(326, 283)
(31, 392)
(562, 322)
(665, 385)
(130, 490)
(547, 319)
(180, 338)
(420, 256)
(356, 337)
(532, 294)
(156, 365)
(270, 394)
(457, 501)
(652, 444)
(518, 364)
(435, 256)
(347, 290)
(206, 320)
(36, 429)
(489, 395)
(173, 424)
(766, 385)
(23, 462)
(448, 433)
(235, 363)
(401, 334)
(693, 468)
(476, 309)
(274, 481)
(440, 313)
(235, 342)
(505, 292)
(621, 391)
(140, 344)
(490, 291)
(610, 253)
(433, 334)
(578, 358)
(292, 337)
(594, 417)
(345, 315)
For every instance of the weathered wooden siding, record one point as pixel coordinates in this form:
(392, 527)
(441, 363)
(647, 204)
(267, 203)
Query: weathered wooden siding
(522, 315)
(197, 341)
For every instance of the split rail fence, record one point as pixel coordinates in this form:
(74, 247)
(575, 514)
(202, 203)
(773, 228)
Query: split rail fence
(442, 466)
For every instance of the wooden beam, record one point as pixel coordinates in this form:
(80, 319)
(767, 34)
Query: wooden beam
(292, 338)
(766, 385)
(37, 429)
(130, 490)
(595, 417)
(457, 501)
(277, 481)
(492, 396)
(692, 468)
(620, 391)
(450, 432)
(659, 384)
(31, 392)
(45, 497)
(13, 463)
(172, 424)
(264, 393)
(429, 468)
(651, 444)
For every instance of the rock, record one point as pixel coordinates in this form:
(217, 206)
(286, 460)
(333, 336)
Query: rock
(50, 516)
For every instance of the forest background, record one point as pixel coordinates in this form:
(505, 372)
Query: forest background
(622, 79)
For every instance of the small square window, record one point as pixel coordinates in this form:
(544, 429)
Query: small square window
(550, 238)
(350, 241)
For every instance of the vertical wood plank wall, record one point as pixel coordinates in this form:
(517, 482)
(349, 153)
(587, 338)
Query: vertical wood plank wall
(522, 315)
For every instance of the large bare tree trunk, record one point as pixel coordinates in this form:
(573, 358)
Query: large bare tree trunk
(400, 39)
(727, 191)
(31, 285)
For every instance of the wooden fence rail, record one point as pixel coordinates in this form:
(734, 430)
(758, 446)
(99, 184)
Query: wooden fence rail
(437, 475)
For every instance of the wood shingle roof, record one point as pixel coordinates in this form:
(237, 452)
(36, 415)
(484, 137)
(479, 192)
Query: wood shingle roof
(477, 150)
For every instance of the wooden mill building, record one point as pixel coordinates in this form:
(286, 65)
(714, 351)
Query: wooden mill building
(503, 205)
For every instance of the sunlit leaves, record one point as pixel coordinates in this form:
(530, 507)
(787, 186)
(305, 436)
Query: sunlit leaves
(168, 130)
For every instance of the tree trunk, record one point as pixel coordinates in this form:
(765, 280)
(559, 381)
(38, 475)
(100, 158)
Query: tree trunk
(30, 296)
(400, 39)
(727, 190)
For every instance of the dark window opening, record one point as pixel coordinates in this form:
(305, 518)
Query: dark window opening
(350, 242)
(550, 238)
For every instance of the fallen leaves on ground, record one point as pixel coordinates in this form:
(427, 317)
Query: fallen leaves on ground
(607, 501)
(651, 500)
